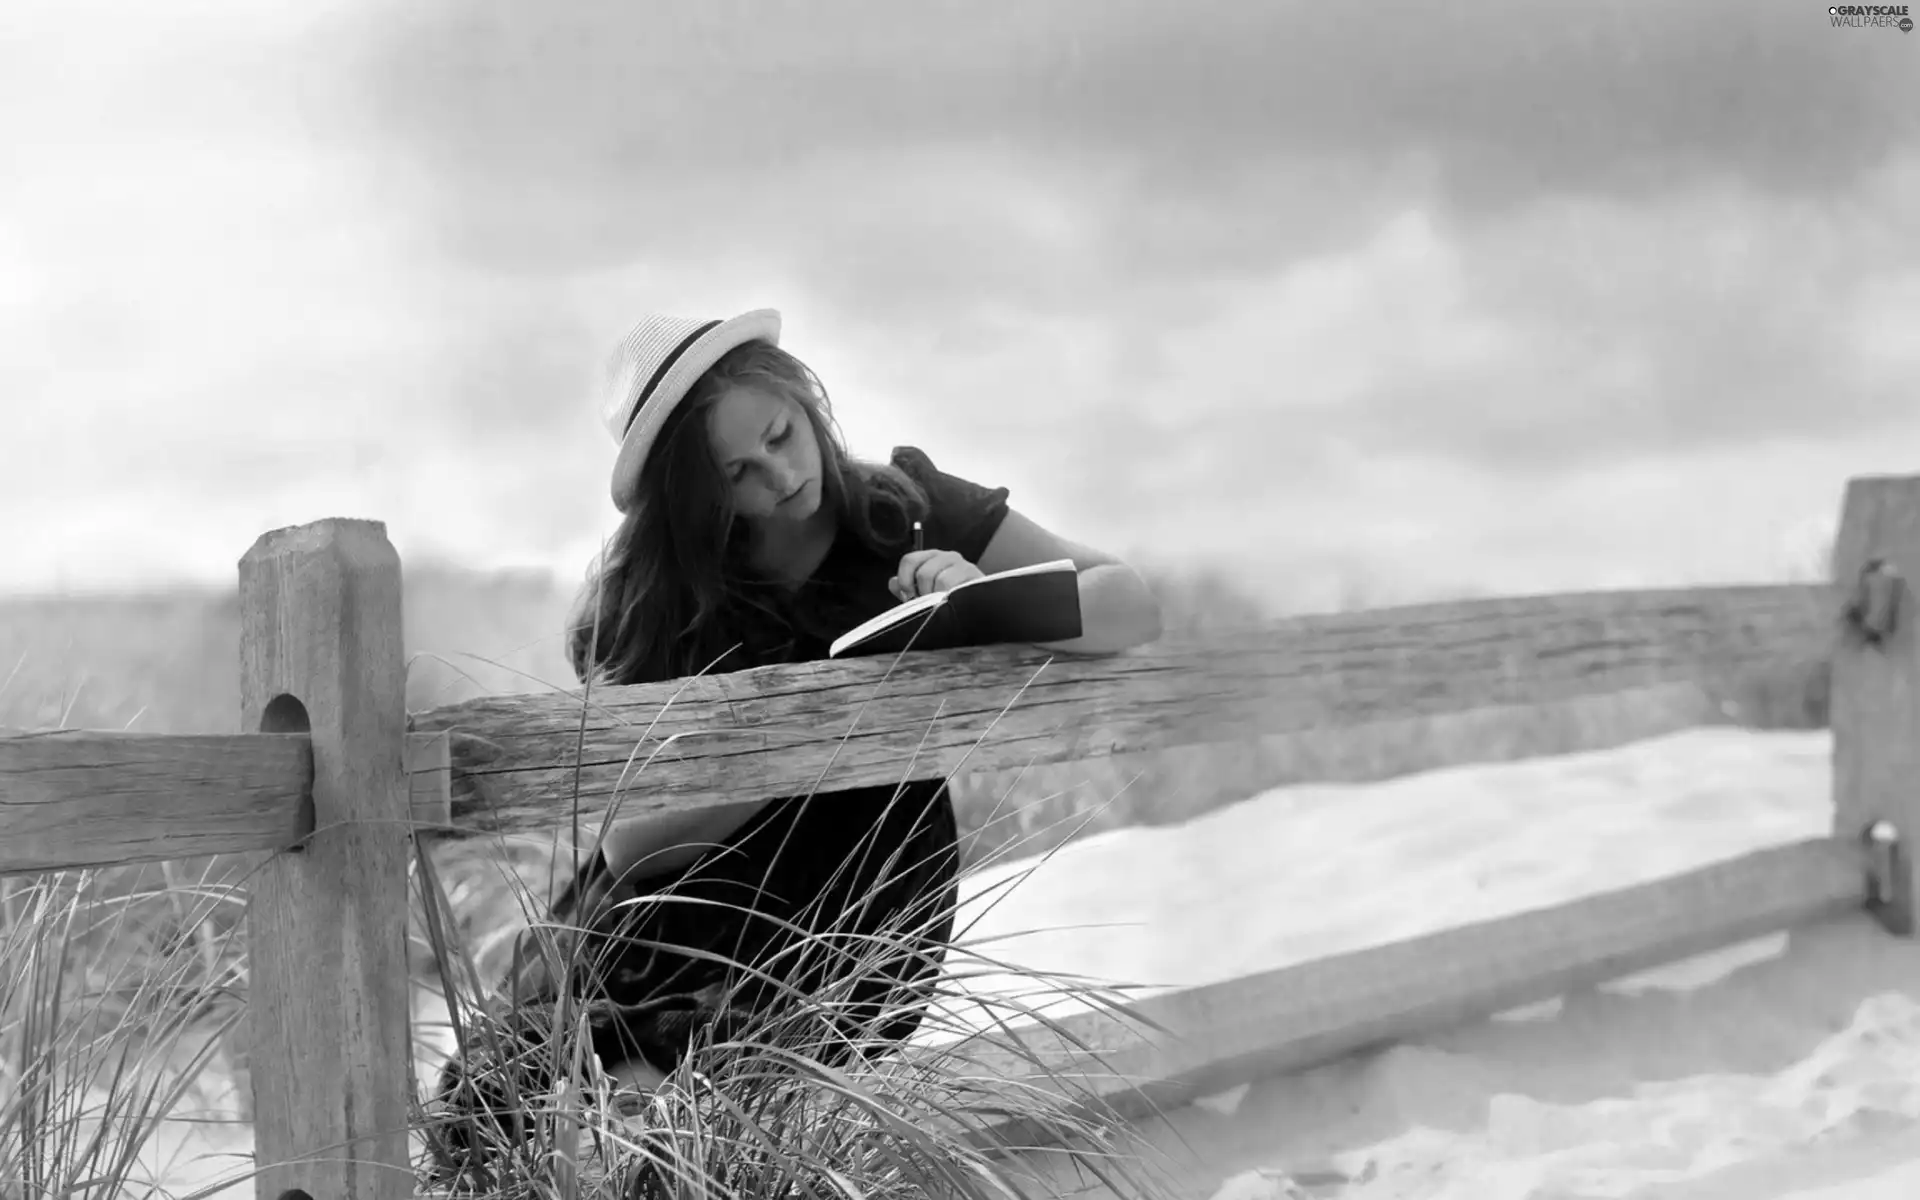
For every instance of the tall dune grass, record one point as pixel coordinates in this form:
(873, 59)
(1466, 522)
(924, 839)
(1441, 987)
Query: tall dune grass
(799, 1098)
(117, 1003)
(782, 1102)
(788, 1104)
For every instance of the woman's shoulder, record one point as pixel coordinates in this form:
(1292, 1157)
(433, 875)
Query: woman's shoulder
(914, 463)
(918, 466)
(962, 515)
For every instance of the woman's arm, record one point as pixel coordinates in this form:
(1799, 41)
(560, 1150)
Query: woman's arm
(1117, 609)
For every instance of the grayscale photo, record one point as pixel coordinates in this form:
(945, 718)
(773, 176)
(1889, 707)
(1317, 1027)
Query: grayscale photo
(906, 600)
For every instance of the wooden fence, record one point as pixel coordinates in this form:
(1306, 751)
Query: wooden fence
(334, 778)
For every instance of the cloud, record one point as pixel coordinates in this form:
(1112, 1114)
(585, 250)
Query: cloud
(1320, 292)
(1621, 228)
(583, 125)
(1705, 318)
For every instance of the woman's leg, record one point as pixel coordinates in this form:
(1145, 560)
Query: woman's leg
(856, 887)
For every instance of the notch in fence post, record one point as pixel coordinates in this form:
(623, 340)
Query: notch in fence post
(1875, 692)
(320, 653)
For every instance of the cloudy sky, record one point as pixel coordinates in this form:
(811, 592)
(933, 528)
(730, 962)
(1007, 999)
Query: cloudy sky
(1406, 296)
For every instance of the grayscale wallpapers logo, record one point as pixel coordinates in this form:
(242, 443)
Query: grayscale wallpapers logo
(1871, 16)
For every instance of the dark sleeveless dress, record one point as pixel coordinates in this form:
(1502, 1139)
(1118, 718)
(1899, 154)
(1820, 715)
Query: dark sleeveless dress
(842, 866)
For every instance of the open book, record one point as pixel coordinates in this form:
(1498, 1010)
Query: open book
(1040, 603)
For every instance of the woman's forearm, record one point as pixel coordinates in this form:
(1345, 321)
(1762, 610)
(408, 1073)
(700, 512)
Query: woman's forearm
(1118, 611)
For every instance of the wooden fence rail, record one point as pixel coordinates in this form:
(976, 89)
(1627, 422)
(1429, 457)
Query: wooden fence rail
(333, 777)
(519, 764)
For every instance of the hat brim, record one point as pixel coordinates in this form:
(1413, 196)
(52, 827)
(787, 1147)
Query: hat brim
(760, 325)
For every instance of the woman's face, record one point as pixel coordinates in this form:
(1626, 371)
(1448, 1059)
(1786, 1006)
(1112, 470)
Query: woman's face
(768, 454)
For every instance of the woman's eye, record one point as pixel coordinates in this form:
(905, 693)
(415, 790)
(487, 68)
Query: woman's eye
(782, 436)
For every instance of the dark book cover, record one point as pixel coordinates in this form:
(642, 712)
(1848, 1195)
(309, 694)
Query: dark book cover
(1040, 603)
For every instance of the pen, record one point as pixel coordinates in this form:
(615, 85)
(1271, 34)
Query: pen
(919, 537)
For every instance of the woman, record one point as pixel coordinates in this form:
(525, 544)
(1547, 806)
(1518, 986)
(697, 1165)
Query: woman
(750, 537)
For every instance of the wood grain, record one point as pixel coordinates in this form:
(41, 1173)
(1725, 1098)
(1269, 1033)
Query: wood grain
(1876, 690)
(525, 763)
(320, 652)
(79, 798)
(1169, 1049)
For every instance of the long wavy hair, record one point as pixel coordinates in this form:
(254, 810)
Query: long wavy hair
(672, 593)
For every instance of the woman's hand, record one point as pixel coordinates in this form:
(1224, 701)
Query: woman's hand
(923, 571)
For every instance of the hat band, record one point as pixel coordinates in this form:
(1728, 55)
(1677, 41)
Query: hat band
(660, 372)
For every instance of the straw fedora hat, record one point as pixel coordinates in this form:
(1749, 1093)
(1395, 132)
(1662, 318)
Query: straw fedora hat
(652, 370)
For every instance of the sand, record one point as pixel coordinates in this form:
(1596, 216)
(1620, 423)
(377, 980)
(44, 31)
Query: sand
(1786, 1068)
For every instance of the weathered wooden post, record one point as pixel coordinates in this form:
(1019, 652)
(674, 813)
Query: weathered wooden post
(1875, 703)
(320, 653)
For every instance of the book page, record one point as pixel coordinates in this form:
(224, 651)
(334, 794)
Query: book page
(891, 617)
